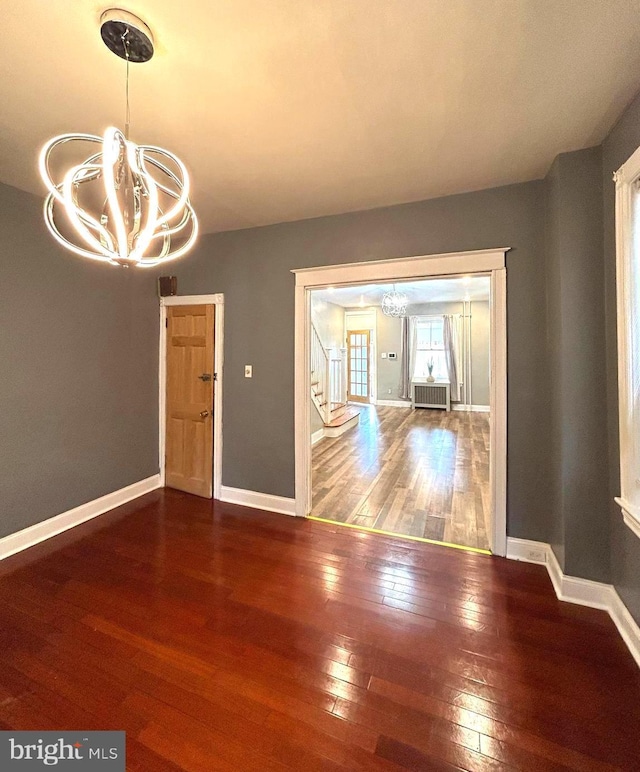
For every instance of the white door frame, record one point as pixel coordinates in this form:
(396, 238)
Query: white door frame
(218, 368)
(373, 347)
(489, 261)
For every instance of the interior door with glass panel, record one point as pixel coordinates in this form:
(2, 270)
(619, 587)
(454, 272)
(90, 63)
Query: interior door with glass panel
(358, 366)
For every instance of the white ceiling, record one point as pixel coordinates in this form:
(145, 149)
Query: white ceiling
(424, 291)
(289, 109)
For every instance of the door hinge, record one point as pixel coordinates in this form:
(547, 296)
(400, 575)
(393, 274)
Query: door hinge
(215, 376)
(166, 322)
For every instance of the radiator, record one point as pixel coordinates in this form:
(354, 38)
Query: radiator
(431, 395)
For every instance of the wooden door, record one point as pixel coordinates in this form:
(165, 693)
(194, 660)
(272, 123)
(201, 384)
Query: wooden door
(358, 365)
(189, 399)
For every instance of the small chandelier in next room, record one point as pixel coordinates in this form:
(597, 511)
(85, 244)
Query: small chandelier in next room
(124, 204)
(394, 303)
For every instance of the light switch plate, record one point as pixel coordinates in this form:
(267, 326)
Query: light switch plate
(383, 356)
(248, 371)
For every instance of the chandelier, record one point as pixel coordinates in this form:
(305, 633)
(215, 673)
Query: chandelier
(125, 204)
(394, 303)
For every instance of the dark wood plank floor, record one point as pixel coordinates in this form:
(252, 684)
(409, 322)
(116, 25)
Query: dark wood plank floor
(417, 472)
(224, 638)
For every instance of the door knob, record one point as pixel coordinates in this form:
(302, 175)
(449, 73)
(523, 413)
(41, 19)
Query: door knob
(204, 413)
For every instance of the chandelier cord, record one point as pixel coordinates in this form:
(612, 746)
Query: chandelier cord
(127, 120)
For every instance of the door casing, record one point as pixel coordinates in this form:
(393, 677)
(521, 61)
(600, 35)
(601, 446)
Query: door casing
(491, 262)
(194, 300)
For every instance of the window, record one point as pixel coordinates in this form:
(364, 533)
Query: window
(628, 298)
(430, 348)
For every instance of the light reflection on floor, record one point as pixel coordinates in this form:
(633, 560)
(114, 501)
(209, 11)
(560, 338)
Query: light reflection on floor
(421, 473)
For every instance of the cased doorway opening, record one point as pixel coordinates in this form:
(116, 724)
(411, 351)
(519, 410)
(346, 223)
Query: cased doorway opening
(401, 418)
(415, 461)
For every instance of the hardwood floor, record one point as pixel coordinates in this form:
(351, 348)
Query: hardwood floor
(416, 472)
(225, 638)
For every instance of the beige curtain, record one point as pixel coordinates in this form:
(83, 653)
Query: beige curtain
(450, 330)
(408, 345)
(405, 376)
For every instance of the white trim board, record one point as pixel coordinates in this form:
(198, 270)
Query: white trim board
(410, 267)
(192, 300)
(484, 261)
(583, 592)
(267, 501)
(630, 515)
(218, 367)
(34, 534)
(626, 180)
(317, 436)
(391, 402)
(472, 408)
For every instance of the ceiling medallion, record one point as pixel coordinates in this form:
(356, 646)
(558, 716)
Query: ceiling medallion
(394, 303)
(125, 202)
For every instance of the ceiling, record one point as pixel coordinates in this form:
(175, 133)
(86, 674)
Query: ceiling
(289, 109)
(425, 291)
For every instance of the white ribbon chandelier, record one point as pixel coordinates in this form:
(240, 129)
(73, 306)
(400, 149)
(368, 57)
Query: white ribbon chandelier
(394, 303)
(139, 200)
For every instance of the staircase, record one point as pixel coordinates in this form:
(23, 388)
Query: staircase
(328, 378)
(329, 387)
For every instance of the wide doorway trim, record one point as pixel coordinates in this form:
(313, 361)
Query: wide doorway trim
(218, 363)
(488, 261)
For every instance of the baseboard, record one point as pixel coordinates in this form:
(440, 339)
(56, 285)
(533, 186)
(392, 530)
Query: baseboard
(583, 592)
(280, 504)
(526, 550)
(392, 402)
(34, 534)
(472, 408)
(317, 436)
(627, 626)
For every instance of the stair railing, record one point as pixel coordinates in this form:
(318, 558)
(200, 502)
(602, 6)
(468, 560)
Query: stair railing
(344, 383)
(320, 375)
(338, 376)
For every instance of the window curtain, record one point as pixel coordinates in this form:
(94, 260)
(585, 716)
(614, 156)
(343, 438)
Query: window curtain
(409, 344)
(450, 334)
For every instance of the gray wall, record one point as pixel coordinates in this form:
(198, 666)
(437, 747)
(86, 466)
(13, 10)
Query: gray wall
(388, 338)
(316, 419)
(480, 353)
(252, 267)
(575, 334)
(329, 321)
(554, 345)
(625, 546)
(78, 385)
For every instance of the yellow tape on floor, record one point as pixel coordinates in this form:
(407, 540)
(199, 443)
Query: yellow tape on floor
(400, 535)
